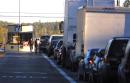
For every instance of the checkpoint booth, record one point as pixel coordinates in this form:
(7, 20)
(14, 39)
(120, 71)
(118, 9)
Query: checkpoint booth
(18, 37)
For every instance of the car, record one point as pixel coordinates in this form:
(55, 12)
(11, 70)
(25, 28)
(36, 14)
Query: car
(2, 50)
(114, 52)
(55, 37)
(72, 62)
(67, 57)
(57, 48)
(44, 43)
(93, 73)
(61, 58)
(53, 40)
(85, 64)
(124, 67)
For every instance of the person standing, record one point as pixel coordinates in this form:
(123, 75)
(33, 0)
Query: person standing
(31, 45)
(37, 42)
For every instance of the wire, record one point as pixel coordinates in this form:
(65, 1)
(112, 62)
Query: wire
(32, 16)
(31, 13)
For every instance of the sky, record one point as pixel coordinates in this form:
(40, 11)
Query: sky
(32, 10)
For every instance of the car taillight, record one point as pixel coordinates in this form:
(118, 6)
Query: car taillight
(91, 61)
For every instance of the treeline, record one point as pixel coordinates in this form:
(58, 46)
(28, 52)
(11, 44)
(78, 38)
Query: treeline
(46, 28)
(3, 31)
(127, 3)
(39, 29)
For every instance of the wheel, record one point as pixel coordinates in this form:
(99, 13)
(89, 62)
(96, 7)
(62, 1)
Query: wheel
(100, 78)
(80, 76)
(86, 76)
(91, 78)
(121, 79)
(104, 79)
(58, 60)
(55, 56)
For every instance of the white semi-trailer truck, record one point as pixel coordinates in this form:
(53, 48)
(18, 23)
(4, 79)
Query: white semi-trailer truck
(96, 26)
(71, 9)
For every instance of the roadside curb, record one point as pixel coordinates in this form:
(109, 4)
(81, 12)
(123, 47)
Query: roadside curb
(59, 70)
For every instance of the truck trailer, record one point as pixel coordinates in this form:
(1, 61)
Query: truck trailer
(96, 26)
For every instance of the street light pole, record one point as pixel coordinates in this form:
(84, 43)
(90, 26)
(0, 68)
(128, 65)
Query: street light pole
(19, 26)
(19, 12)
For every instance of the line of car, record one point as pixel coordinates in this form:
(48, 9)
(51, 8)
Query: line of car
(107, 65)
(98, 65)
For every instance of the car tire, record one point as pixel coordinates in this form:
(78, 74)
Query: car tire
(80, 76)
(54, 56)
(86, 77)
(120, 79)
(58, 61)
(91, 78)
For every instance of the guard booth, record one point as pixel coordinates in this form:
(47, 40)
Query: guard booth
(18, 37)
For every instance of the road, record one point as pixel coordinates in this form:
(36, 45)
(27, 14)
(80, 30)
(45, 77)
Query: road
(30, 68)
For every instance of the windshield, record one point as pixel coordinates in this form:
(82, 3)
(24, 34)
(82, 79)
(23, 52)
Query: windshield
(45, 38)
(57, 37)
(117, 48)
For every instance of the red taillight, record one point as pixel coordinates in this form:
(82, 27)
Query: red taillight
(91, 62)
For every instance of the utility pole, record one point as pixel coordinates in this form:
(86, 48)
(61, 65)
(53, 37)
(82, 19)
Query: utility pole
(19, 27)
(118, 3)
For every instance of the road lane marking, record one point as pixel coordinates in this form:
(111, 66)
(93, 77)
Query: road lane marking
(4, 76)
(25, 77)
(60, 70)
(20, 77)
(38, 77)
(11, 76)
(30, 73)
(30, 77)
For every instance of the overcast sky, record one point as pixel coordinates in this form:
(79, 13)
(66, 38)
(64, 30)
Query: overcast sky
(39, 10)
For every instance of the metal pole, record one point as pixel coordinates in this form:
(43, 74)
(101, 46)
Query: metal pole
(118, 3)
(19, 26)
(19, 12)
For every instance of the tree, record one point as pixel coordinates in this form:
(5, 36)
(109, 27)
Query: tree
(46, 28)
(126, 3)
(61, 27)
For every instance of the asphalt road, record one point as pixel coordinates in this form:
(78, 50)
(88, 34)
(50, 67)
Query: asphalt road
(30, 68)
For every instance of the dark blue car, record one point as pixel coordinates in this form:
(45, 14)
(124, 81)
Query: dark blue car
(84, 64)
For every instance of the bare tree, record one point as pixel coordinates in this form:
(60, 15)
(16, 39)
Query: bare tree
(126, 3)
